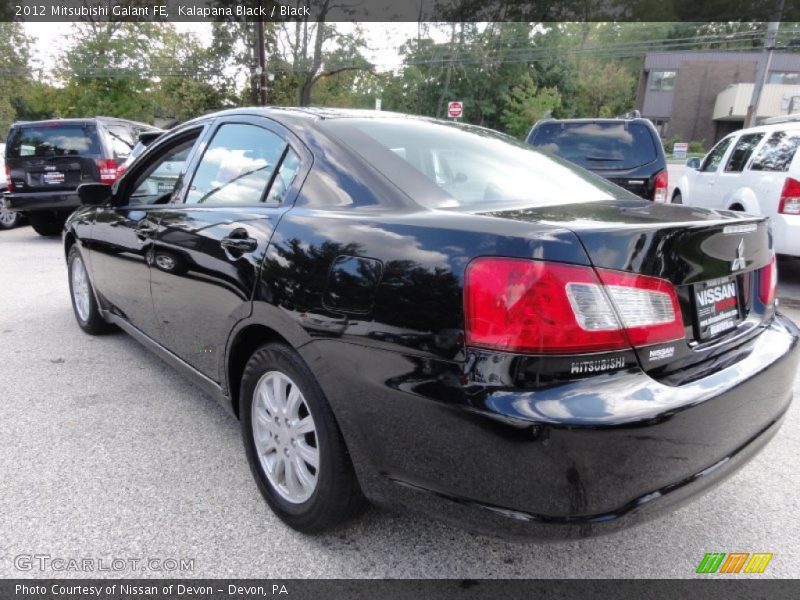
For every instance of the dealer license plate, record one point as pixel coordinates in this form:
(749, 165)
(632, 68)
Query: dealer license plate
(716, 306)
(53, 177)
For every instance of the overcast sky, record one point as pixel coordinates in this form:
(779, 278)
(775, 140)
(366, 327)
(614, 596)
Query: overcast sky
(383, 40)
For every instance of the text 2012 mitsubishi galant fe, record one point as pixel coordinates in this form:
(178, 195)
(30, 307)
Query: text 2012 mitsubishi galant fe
(438, 318)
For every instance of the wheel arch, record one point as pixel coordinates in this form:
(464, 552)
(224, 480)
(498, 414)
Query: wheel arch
(265, 324)
(744, 200)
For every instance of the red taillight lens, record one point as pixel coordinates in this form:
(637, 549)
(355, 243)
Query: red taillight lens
(108, 170)
(9, 183)
(520, 305)
(768, 282)
(790, 197)
(662, 183)
(121, 169)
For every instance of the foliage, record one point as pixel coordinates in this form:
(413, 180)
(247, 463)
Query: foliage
(525, 104)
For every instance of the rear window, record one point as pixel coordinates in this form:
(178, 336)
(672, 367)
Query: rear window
(598, 145)
(471, 168)
(778, 152)
(54, 140)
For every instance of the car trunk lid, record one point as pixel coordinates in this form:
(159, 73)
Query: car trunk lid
(712, 258)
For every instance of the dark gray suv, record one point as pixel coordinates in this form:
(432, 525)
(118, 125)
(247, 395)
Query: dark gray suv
(46, 161)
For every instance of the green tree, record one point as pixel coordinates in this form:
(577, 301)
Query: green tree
(525, 104)
(14, 68)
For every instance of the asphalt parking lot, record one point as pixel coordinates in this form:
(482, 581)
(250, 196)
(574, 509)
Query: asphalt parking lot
(106, 452)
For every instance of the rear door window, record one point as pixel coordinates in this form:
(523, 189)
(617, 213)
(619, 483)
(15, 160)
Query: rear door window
(121, 139)
(54, 140)
(777, 153)
(742, 152)
(598, 145)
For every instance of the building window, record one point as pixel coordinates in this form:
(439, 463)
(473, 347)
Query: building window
(785, 78)
(662, 81)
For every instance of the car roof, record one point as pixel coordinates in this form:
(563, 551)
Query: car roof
(641, 120)
(787, 125)
(101, 119)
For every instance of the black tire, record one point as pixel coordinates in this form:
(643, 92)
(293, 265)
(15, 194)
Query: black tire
(337, 496)
(47, 224)
(677, 198)
(93, 322)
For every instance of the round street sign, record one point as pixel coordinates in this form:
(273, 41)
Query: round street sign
(455, 109)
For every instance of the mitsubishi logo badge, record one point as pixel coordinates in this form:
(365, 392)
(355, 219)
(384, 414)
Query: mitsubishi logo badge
(738, 263)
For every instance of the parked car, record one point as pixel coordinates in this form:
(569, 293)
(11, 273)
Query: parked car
(627, 152)
(47, 160)
(756, 171)
(564, 357)
(8, 218)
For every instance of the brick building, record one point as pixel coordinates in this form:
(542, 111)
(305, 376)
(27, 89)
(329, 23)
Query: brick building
(704, 95)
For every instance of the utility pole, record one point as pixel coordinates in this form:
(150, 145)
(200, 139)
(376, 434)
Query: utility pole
(763, 66)
(262, 66)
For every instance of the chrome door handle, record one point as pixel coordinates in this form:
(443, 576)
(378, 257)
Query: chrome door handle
(235, 243)
(145, 231)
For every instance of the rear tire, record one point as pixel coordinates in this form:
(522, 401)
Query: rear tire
(47, 224)
(81, 293)
(677, 198)
(8, 218)
(287, 427)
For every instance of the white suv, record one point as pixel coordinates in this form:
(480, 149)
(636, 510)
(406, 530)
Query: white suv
(754, 170)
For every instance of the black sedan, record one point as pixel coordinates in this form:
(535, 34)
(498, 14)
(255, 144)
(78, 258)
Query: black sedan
(435, 317)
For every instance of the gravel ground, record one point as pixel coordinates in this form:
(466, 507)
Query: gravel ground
(106, 452)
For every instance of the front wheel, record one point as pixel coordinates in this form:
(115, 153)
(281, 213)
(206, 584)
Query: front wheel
(295, 449)
(80, 290)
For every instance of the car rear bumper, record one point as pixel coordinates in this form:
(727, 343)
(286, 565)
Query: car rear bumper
(786, 234)
(574, 460)
(33, 201)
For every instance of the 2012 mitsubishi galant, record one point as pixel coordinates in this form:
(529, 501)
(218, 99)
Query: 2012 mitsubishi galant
(436, 317)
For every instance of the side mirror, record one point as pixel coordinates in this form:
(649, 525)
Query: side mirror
(94, 194)
(693, 163)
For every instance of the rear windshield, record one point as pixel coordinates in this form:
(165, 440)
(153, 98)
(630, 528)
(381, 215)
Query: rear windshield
(54, 140)
(598, 145)
(471, 168)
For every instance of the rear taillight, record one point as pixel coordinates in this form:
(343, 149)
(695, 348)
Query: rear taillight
(9, 183)
(108, 170)
(520, 305)
(768, 282)
(121, 169)
(790, 197)
(661, 185)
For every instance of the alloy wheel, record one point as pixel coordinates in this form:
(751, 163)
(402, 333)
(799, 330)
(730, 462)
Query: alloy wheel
(285, 437)
(80, 289)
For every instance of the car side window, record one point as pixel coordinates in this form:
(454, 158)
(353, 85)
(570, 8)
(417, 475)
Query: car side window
(285, 177)
(158, 181)
(742, 152)
(121, 140)
(714, 157)
(237, 166)
(777, 153)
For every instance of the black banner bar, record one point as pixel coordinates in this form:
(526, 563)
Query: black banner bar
(247, 589)
(399, 10)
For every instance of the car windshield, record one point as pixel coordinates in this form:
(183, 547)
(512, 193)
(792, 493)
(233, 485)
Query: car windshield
(54, 139)
(597, 145)
(472, 168)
